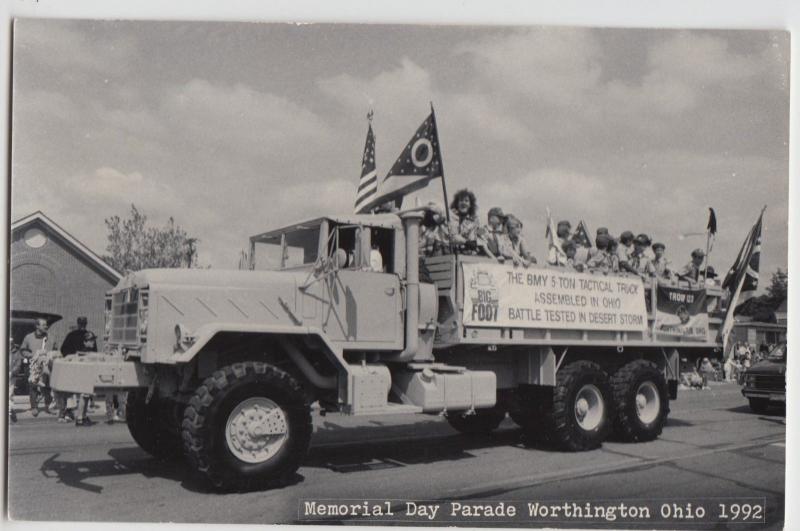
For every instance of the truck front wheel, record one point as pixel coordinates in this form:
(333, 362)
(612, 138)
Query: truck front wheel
(580, 418)
(480, 421)
(146, 423)
(642, 399)
(247, 426)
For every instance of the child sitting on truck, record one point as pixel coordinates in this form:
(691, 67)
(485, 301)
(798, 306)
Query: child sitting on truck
(513, 246)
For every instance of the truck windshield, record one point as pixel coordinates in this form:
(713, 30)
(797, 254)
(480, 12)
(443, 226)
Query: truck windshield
(301, 248)
(777, 354)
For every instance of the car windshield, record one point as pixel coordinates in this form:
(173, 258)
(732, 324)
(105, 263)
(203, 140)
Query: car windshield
(777, 354)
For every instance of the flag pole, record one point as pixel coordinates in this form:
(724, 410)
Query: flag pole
(441, 165)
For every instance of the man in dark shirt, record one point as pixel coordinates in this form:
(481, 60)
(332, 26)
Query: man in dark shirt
(74, 340)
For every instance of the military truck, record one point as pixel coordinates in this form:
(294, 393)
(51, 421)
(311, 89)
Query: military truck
(223, 367)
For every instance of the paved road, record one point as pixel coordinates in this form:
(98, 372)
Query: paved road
(712, 447)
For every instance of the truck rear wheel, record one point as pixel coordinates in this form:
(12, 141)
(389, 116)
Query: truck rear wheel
(146, 424)
(642, 399)
(247, 426)
(481, 421)
(580, 416)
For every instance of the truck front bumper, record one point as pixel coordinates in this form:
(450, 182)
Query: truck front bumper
(92, 373)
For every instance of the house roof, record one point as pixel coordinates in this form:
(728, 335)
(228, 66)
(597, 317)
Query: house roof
(68, 238)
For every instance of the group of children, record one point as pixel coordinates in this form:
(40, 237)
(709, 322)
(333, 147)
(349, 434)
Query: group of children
(501, 238)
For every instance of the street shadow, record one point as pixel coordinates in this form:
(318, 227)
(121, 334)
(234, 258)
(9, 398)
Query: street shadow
(775, 411)
(377, 455)
(672, 422)
(78, 474)
(125, 461)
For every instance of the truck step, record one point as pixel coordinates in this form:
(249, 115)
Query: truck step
(390, 408)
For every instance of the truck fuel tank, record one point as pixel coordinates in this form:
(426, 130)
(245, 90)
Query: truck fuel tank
(437, 387)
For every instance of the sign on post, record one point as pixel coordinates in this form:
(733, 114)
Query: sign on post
(514, 297)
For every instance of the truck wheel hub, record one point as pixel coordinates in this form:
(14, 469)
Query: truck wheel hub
(648, 403)
(589, 407)
(256, 430)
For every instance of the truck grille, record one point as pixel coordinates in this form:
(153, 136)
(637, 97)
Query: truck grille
(767, 382)
(125, 316)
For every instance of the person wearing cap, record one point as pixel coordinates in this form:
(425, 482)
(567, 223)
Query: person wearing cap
(613, 249)
(88, 344)
(570, 248)
(593, 250)
(601, 260)
(624, 252)
(638, 260)
(691, 271)
(562, 235)
(74, 340)
(660, 262)
(494, 231)
(513, 246)
(434, 238)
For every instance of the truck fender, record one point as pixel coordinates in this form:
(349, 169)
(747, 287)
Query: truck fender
(197, 339)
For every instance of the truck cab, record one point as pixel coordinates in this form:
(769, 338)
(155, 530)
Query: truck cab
(765, 382)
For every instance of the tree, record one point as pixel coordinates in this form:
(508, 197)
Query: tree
(133, 245)
(762, 308)
(778, 288)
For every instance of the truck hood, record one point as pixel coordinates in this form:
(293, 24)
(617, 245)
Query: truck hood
(206, 278)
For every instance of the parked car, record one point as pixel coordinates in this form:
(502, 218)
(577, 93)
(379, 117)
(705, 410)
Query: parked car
(765, 382)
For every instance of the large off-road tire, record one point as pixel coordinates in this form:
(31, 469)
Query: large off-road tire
(759, 405)
(248, 426)
(147, 425)
(580, 416)
(527, 408)
(641, 398)
(480, 422)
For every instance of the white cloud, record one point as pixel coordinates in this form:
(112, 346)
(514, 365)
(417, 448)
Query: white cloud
(64, 47)
(107, 190)
(556, 66)
(243, 120)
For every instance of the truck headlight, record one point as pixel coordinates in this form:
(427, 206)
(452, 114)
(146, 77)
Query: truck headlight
(183, 338)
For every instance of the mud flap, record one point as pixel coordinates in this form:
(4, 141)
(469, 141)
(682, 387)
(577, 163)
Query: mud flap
(672, 387)
(90, 373)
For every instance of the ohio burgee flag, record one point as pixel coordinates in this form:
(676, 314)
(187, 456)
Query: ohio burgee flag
(420, 161)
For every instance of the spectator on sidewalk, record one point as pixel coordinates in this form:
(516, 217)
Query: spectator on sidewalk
(31, 347)
(14, 367)
(81, 417)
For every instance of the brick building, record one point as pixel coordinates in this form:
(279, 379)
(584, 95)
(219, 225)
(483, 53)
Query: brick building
(55, 275)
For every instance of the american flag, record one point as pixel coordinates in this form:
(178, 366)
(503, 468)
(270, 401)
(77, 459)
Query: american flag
(368, 184)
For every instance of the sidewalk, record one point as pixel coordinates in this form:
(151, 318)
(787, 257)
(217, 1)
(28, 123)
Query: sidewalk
(22, 407)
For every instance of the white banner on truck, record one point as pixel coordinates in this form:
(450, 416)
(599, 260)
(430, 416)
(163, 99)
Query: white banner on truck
(515, 297)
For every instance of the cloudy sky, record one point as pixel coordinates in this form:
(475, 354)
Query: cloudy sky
(234, 128)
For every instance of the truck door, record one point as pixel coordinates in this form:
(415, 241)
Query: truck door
(363, 305)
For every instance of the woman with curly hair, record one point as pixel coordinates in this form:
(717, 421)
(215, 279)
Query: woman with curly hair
(464, 225)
